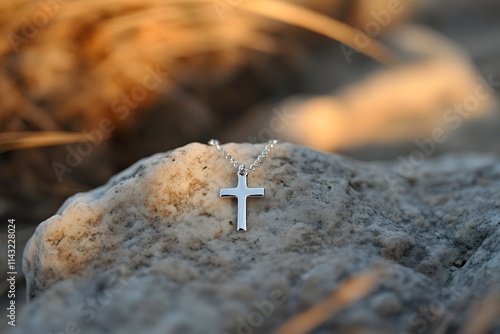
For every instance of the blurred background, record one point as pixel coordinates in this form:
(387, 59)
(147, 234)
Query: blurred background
(89, 87)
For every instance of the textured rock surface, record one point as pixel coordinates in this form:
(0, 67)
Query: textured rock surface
(155, 250)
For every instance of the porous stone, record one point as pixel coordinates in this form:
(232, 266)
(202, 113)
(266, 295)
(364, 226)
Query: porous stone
(156, 250)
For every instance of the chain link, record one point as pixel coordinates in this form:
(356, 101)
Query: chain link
(242, 169)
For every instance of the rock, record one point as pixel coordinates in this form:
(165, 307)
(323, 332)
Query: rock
(156, 250)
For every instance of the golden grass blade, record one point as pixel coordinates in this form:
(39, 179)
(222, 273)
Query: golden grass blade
(349, 292)
(483, 316)
(23, 140)
(319, 23)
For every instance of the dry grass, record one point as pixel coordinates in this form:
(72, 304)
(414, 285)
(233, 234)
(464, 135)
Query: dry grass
(396, 104)
(23, 140)
(321, 24)
(484, 314)
(349, 292)
(65, 74)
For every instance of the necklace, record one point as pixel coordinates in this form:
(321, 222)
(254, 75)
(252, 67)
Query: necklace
(242, 192)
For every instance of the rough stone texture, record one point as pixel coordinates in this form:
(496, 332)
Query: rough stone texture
(155, 249)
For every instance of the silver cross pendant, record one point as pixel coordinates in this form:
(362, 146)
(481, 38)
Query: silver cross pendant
(242, 192)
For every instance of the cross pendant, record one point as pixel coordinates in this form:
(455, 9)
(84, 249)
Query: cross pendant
(242, 192)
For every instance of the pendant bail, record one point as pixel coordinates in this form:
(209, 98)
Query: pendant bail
(242, 170)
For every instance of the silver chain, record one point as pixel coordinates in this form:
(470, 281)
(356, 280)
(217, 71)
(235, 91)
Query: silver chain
(242, 169)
